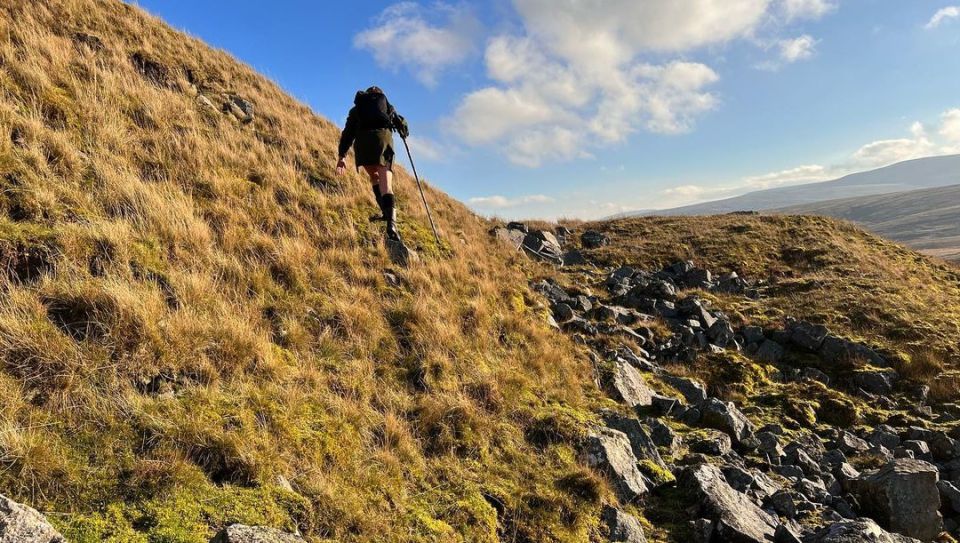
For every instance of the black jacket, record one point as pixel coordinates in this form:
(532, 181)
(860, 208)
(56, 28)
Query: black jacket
(370, 111)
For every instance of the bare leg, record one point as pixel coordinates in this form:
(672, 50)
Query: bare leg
(389, 201)
(385, 176)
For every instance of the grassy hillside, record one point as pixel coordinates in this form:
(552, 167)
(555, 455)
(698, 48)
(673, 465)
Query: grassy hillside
(199, 326)
(925, 220)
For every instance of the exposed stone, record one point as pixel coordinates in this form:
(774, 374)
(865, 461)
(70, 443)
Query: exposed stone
(591, 239)
(625, 384)
(950, 494)
(737, 517)
(903, 497)
(807, 335)
(239, 533)
(770, 351)
(622, 527)
(664, 436)
(875, 382)
(713, 444)
(691, 390)
(641, 443)
(726, 417)
(543, 245)
(609, 451)
(857, 531)
(22, 524)
(400, 254)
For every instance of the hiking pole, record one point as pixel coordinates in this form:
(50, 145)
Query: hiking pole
(422, 196)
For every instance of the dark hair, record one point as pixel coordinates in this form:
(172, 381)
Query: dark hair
(375, 90)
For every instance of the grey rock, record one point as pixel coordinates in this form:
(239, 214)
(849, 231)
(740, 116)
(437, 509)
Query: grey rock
(753, 334)
(920, 449)
(903, 497)
(609, 451)
(807, 335)
(882, 436)
(625, 384)
(239, 533)
(22, 524)
(835, 349)
(875, 382)
(816, 375)
(770, 352)
(949, 494)
(563, 313)
(726, 417)
(664, 436)
(737, 517)
(622, 527)
(574, 258)
(641, 443)
(714, 444)
(850, 444)
(543, 245)
(591, 239)
(693, 391)
(514, 225)
(782, 503)
(857, 531)
(721, 333)
(400, 254)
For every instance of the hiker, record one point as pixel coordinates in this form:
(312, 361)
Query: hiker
(369, 129)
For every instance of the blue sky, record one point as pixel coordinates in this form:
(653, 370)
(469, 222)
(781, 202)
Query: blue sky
(584, 108)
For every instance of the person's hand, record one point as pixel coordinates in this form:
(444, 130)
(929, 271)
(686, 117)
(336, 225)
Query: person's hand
(341, 166)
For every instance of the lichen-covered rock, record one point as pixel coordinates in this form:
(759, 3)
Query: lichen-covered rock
(857, 531)
(622, 527)
(640, 441)
(239, 533)
(626, 384)
(609, 451)
(726, 417)
(737, 517)
(903, 497)
(22, 524)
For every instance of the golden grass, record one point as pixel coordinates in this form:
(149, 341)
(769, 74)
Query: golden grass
(194, 307)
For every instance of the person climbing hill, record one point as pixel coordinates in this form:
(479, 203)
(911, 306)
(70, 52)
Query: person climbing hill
(369, 129)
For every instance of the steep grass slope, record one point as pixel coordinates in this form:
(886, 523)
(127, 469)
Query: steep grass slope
(196, 326)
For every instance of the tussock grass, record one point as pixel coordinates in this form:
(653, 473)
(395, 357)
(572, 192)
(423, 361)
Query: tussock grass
(196, 329)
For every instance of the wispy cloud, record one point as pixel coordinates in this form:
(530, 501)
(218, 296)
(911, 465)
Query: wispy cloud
(502, 202)
(942, 15)
(424, 41)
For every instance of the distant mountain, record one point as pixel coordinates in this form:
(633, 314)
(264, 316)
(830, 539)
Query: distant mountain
(927, 220)
(916, 174)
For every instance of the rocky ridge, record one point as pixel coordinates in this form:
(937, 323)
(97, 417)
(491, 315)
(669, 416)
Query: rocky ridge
(742, 479)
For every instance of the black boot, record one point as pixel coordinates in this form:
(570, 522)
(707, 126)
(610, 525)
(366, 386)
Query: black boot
(379, 197)
(390, 213)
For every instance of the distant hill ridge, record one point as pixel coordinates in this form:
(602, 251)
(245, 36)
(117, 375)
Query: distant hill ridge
(915, 174)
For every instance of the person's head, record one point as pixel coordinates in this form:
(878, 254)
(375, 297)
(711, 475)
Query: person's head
(374, 90)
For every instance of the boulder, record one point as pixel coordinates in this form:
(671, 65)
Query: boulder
(836, 349)
(949, 494)
(622, 527)
(543, 245)
(22, 524)
(641, 443)
(519, 226)
(509, 237)
(574, 258)
(726, 417)
(239, 533)
(807, 335)
(400, 254)
(770, 352)
(875, 381)
(693, 391)
(712, 444)
(857, 531)
(609, 451)
(903, 497)
(736, 517)
(625, 384)
(591, 239)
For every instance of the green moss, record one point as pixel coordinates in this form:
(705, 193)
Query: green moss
(657, 475)
(188, 514)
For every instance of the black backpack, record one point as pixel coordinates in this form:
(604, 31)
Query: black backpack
(373, 111)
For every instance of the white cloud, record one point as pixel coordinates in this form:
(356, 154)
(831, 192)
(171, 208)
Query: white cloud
(580, 76)
(885, 152)
(426, 149)
(944, 14)
(404, 37)
(801, 48)
(950, 128)
(502, 202)
(807, 9)
(792, 176)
